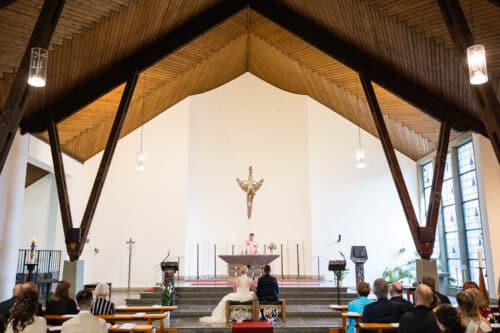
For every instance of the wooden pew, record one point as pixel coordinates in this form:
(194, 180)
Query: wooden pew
(149, 318)
(335, 307)
(349, 315)
(379, 327)
(146, 309)
(116, 329)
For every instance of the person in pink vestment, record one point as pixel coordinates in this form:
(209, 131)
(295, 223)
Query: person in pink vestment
(251, 245)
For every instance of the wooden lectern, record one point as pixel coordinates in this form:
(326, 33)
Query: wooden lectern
(255, 262)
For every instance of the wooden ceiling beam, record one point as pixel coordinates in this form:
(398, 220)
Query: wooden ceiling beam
(13, 110)
(437, 179)
(422, 237)
(62, 190)
(384, 74)
(485, 94)
(107, 156)
(83, 93)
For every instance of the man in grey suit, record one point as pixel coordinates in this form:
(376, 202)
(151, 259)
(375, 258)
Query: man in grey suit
(84, 322)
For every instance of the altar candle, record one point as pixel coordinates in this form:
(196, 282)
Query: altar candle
(480, 257)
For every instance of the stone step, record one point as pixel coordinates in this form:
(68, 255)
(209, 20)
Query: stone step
(295, 301)
(282, 295)
(193, 311)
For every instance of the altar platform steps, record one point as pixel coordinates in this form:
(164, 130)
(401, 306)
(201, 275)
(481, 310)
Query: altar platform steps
(311, 302)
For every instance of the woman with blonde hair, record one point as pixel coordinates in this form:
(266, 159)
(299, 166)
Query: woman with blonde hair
(468, 308)
(243, 292)
(101, 306)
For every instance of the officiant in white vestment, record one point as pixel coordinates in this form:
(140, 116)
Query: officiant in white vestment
(244, 292)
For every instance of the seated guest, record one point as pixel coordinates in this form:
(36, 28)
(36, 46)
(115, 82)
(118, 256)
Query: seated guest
(484, 308)
(421, 319)
(396, 292)
(31, 285)
(61, 303)
(101, 305)
(358, 304)
(382, 311)
(468, 309)
(267, 287)
(85, 322)
(23, 317)
(448, 319)
(6, 305)
(431, 282)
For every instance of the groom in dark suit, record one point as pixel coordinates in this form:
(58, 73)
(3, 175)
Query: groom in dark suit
(267, 287)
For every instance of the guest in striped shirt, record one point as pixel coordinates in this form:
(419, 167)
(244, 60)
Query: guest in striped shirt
(101, 305)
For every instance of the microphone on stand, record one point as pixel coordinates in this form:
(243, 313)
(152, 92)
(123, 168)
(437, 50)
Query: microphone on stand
(165, 258)
(342, 254)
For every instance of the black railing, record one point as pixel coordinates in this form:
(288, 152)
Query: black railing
(46, 269)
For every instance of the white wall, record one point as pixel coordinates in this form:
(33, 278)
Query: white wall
(188, 193)
(248, 122)
(40, 214)
(489, 187)
(149, 206)
(360, 204)
(12, 182)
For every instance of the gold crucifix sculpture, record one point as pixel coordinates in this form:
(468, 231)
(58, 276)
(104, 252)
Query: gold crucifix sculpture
(250, 187)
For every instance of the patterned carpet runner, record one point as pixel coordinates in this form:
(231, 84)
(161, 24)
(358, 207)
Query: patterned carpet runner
(251, 327)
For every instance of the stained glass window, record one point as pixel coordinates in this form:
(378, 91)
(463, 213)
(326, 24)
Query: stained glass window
(460, 213)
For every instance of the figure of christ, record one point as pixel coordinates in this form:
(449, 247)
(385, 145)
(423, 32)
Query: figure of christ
(250, 187)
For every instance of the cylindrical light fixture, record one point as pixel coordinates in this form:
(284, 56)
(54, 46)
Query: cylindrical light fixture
(38, 67)
(141, 157)
(360, 158)
(476, 59)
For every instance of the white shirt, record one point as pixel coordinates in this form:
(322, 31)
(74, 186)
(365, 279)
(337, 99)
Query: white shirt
(39, 325)
(85, 322)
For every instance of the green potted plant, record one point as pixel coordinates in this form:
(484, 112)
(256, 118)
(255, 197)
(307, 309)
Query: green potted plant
(167, 296)
(340, 275)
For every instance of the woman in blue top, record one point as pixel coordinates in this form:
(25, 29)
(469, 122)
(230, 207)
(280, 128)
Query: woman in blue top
(358, 304)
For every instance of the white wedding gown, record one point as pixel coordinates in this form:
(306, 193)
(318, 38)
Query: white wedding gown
(242, 294)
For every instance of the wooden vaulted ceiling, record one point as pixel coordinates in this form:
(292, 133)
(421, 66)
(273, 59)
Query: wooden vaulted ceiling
(409, 35)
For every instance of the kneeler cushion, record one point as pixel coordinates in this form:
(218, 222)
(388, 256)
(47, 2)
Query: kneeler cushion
(250, 327)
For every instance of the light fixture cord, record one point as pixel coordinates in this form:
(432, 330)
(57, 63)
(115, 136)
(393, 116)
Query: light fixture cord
(142, 111)
(471, 21)
(358, 116)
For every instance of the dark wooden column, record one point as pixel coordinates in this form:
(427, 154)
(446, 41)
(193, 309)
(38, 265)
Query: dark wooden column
(437, 180)
(397, 175)
(485, 93)
(62, 188)
(13, 110)
(106, 158)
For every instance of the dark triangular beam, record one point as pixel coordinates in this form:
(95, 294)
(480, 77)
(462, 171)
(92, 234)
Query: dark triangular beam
(485, 93)
(62, 188)
(390, 154)
(423, 237)
(437, 179)
(384, 74)
(102, 172)
(13, 110)
(83, 93)
(75, 237)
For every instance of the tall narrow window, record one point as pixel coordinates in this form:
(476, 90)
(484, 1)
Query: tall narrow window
(460, 226)
(470, 206)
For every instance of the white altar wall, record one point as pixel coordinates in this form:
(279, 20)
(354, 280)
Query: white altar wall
(188, 192)
(248, 122)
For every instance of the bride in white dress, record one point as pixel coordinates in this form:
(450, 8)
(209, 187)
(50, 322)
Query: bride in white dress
(243, 286)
